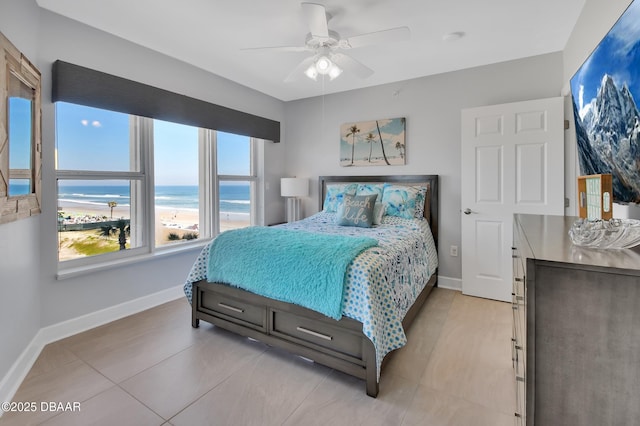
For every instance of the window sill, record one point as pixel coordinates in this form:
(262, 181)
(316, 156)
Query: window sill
(66, 273)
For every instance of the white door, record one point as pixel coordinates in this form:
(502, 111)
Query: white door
(512, 162)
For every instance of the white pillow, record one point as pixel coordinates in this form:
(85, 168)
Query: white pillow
(379, 210)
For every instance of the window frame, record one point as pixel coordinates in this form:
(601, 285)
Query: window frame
(142, 205)
(15, 207)
(139, 130)
(252, 178)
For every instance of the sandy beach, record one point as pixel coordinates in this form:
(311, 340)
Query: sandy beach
(168, 220)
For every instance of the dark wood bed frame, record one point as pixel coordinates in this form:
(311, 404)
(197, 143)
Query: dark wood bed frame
(337, 344)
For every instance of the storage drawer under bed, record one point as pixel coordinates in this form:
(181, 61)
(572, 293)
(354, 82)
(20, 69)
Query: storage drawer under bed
(296, 328)
(232, 309)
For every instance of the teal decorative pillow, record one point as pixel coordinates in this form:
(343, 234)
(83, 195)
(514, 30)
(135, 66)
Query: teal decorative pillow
(404, 201)
(335, 192)
(370, 189)
(356, 210)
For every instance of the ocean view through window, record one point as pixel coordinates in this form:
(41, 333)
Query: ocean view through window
(131, 185)
(236, 174)
(88, 224)
(176, 184)
(88, 204)
(235, 205)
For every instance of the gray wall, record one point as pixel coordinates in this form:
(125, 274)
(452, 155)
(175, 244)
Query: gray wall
(30, 295)
(19, 241)
(432, 107)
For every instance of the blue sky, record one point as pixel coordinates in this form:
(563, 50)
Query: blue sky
(19, 133)
(617, 55)
(94, 139)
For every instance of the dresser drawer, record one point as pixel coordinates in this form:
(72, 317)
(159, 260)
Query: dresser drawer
(295, 328)
(235, 310)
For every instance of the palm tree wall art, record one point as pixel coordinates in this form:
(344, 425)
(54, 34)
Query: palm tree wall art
(380, 146)
(370, 140)
(353, 131)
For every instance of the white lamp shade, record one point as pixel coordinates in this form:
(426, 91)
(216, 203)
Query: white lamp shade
(294, 187)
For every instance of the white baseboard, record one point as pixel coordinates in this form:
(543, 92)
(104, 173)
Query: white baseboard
(450, 283)
(12, 380)
(112, 313)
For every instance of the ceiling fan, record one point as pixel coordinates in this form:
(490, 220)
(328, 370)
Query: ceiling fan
(325, 45)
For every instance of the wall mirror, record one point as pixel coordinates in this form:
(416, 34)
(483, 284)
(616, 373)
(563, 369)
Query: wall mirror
(20, 138)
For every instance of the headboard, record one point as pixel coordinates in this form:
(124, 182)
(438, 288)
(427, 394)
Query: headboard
(431, 205)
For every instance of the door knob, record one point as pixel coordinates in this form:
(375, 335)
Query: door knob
(467, 211)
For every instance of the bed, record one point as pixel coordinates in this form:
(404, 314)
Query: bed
(345, 344)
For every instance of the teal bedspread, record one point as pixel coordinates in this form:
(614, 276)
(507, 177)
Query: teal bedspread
(287, 265)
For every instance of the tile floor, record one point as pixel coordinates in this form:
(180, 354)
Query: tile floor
(152, 368)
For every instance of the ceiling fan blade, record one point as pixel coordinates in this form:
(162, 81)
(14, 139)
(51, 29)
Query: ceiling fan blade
(316, 17)
(349, 64)
(279, 49)
(299, 70)
(378, 37)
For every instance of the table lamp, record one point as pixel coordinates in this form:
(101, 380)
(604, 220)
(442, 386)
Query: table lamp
(292, 189)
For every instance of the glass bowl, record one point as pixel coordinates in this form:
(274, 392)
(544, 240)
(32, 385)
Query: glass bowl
(606, 234)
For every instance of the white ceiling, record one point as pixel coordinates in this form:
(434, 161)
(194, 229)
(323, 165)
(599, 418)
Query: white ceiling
(211, 33)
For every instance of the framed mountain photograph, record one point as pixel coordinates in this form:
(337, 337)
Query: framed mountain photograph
(607, 121)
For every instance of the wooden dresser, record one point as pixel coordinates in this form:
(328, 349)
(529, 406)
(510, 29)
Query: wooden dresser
(576, 328)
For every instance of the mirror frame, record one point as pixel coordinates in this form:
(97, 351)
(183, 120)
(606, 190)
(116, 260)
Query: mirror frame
(14, 62)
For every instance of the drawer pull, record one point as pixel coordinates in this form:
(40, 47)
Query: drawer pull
(314, 333)
(519, 280)
(519, 379)
(231, 308)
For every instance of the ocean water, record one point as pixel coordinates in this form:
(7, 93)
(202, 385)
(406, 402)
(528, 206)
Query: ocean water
(234, 198)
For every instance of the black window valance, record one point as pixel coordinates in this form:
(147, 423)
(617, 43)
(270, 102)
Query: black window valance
(84, 86)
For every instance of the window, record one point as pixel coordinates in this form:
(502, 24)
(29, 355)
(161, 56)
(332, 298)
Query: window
(177, 200)
(101, 182)
(236, 181)
(133, 185)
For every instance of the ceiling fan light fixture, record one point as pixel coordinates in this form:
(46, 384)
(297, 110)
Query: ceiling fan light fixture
(324, 44)
(323, 65)
(311, 72)
(334, 71)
